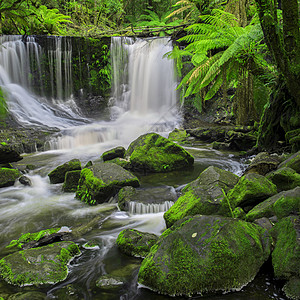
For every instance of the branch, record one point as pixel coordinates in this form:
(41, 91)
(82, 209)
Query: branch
(12, 7)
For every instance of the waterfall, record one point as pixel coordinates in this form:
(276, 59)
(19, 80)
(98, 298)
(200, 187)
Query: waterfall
(150, 208)
(21, 73)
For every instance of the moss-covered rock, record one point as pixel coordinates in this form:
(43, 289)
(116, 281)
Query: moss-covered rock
(205, 254)
(263, 163)
(285, 178)
(154, 153)
(281, 205)
(202, 196)
(179, 135)
(8, 153)
(44, 265)
(292, 288)
(8, 176)
(103, 180)
(251, 190)
(27, 295)
(58, 174)
(108, 282)
(71, 181)
(240, 141)
(292, 162)
(113, 153)
(135, 243)
(286, 254)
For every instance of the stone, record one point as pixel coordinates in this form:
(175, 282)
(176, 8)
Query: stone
(250, 190)
(263, 163)
(71, 181)
(205, 254)
(280, 205)
(203, 195)
(8, 177)
(135, 243)
(284, 178)
(179, 135)
(103, 180)
(28, 296)
(292, 162)
(8, 154)
(113, 153)
(108, 282)
(58, 174)
(292, 288)
(25, 181)
(37, 266)
(154, 153)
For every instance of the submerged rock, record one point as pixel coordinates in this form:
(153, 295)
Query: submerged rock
(113, 153)
(43, 265)
(103, 180)
(154, 153)
(58, 174)
(205, 254)
(202, 196)
(8, 177)
(135, 243)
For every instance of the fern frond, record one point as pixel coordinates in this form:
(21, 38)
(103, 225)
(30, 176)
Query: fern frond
(214, 88)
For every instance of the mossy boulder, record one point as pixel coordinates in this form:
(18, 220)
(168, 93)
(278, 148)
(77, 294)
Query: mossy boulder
(205, 254)
(251, 190)
(37, 266)
(292, 162)
(71, 181)
(280, 205)
(58, 174)
(135, 243)
(285, 178)
(240, 141)
(154, 153)
(8, 176)
(103, 180)
(286, 254)
(179, 135)
(263, 163)
(203, 195)
(129, 197)
(113, 153)
(8, 153)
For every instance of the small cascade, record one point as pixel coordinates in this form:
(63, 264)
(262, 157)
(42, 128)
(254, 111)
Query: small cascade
(150, 208)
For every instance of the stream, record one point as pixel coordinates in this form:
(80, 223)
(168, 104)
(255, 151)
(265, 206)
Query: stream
(140, 104)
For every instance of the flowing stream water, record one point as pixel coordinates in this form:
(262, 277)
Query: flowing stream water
(143, 100)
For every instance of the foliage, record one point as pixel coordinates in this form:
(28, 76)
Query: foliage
(3, 107)
(218, 49)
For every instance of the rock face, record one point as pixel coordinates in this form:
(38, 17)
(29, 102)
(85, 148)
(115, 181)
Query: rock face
(8, 154)
(154, 153)
(44, 265)
(292, 162)
(281, 205)
(103, 180)
(136, 243)
(113, 153)
(205, 254)
(71, 181)
(202, 196)
(285, 178)
(251, 190)
(8, 176)
(58, 174)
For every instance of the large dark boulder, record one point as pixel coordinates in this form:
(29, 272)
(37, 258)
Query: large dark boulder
(42, 265)
(101, 181)
(8, 176)
(136, 243)
(205, 254)
(202, 196)
(58, 174)
(284, 178)
(292, 162)
(8, 154)
(71, 181)
(113, 153)
(154, 153)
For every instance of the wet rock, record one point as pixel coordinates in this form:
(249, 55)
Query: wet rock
(292, 288)
(113, 153)
(203, 195)
(135, 243)
(292, 162)
(262, 164)
(43, 265)
(285, 178)
(293, 138)
(129, 198)
(25, 181)
(108, 282)
(71, 181)
(286, 254)
(103, 180)
(280, 205)
(179, 135)
(8, 177)
(251, 190)
(58, 174)
(28, 296)
(154, 153)
(240, 141)
(205, 254)
(8, 154)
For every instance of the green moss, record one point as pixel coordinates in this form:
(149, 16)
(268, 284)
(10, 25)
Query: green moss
(8, 176)
(58, 174)
(292, 288)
